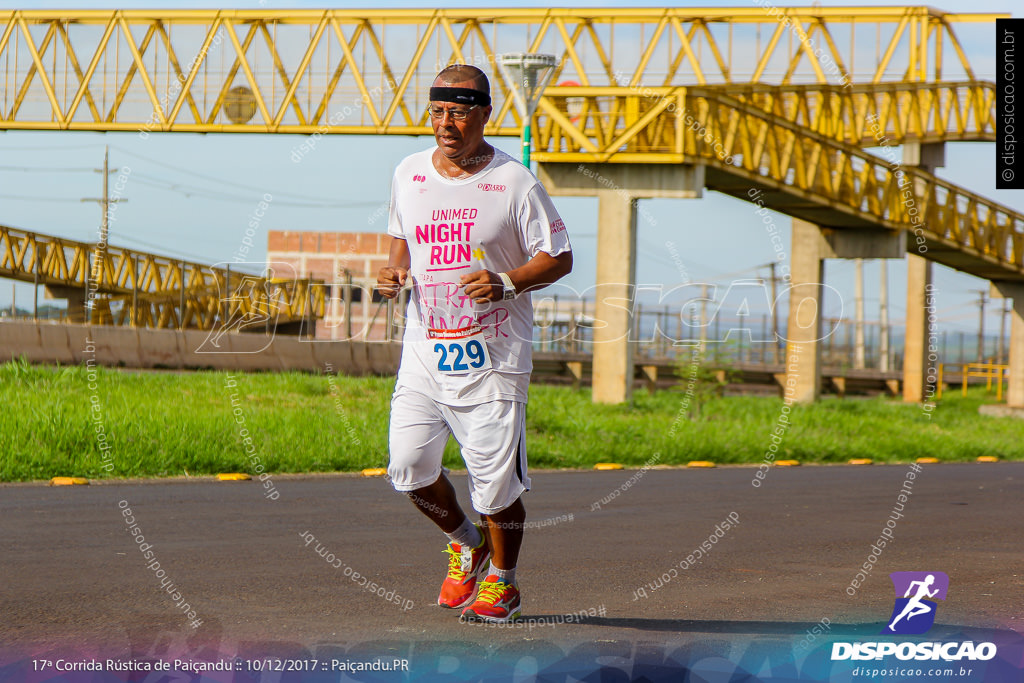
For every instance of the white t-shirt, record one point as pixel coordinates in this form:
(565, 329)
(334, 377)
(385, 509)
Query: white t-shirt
(496, 219)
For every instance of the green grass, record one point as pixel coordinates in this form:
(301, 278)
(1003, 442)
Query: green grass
(165, 424)
(567, 430)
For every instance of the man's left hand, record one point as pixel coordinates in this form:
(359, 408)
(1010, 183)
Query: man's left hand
(483, 286)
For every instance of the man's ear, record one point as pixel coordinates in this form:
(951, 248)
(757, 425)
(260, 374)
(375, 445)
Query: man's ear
(487, 113)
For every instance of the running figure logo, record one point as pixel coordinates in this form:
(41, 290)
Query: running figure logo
(914, 612)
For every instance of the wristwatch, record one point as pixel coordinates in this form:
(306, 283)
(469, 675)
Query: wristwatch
(510, 289)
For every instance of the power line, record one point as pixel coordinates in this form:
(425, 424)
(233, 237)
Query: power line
(160, 249)
(37, 198)
(656, 249)
(261, 191)
(206, 193)
(189, 190)
(47, 169)
(732, 275)
(61, 149)
(305, 201)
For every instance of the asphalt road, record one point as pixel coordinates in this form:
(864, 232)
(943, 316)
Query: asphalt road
(76, 584)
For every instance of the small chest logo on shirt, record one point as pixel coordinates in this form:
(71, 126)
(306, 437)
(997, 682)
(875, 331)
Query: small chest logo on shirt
(419, 178)
(487, 187)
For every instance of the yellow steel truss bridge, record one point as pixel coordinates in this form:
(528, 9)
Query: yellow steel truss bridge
(117, 286)
(789, 96)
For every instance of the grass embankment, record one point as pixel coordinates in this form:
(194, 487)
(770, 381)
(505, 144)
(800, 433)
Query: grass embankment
(162, 424)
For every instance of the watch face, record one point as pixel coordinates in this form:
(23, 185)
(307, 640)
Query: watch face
(510, 294)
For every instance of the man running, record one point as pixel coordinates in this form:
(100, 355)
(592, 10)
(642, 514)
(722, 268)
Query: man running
(915, 606)
(475, 232)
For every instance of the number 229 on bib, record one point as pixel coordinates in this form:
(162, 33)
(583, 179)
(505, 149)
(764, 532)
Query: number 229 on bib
(459, 356)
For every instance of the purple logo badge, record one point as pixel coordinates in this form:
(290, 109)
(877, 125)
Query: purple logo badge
(916, 593)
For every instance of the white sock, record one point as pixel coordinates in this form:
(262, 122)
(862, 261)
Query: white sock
(467, 535)
(508, 575)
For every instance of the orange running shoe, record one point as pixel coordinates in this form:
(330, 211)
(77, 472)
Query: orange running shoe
(464, 568)
(497, 601)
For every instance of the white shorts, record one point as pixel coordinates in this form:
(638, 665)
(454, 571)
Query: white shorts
(493, 440)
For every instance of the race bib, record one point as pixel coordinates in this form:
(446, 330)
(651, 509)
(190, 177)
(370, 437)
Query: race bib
(459, 351)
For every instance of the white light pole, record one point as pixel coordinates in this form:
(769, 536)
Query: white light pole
(527, 74)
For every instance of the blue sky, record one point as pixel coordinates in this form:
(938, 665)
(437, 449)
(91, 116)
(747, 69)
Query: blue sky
(191, 196)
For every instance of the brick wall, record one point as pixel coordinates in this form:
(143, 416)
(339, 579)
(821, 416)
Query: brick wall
(331, 257)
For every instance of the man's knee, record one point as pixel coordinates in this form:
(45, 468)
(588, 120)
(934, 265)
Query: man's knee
(403, 475)
(513, 512)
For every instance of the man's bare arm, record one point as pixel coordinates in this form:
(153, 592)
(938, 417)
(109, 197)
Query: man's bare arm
(392, 277)
(540, 271)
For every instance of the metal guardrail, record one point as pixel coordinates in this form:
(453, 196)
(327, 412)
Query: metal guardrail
(801, 172)
(986, 371)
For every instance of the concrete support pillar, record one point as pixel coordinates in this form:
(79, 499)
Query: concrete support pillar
(76, 311)
(616, 273)
(812, 244)
(1015, 388)
(803, 347)
(927, 156)
(915, 345)
(618, 187)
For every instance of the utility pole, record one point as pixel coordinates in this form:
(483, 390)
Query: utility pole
(764, 333)
(1001, 353)
(101, 246)
(883, 315)
(982, 300)
(704, 315)
(742, 313)
(775, 316)
(858, 349)
(718, 336)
